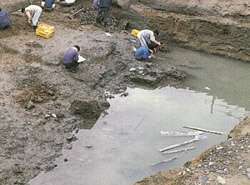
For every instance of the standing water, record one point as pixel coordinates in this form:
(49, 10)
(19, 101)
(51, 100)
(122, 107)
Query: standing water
(122, 146)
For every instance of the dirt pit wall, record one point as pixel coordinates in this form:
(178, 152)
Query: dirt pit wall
(15, 5)
(43, 105)
(224, 31)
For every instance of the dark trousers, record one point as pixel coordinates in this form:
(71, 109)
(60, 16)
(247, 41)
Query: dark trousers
(104, 11)
(73, 64)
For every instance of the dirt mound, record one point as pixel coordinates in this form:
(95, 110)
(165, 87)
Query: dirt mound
(36, 93)
(88, 109)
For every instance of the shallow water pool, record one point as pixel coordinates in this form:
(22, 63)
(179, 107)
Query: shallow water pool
(123, 145)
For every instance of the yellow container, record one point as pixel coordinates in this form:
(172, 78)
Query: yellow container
(134, 32)
(45, 30)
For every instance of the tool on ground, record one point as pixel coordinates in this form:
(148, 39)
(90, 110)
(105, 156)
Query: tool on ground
(71, 16)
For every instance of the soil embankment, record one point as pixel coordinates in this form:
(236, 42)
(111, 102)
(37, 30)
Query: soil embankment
(220, 27)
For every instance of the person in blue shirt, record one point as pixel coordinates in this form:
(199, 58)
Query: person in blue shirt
(5, 22)
(96, 4)
(48, 4)
(103, 8)
(143, 53)
(71, 57)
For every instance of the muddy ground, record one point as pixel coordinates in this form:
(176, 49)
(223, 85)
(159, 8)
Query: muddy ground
(43, 104)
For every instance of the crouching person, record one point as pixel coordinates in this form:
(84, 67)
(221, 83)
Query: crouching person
(144, 52)
(71, 57)
(48, 4)
(5, 22)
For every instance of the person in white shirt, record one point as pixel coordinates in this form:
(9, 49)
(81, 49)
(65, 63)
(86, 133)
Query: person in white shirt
(67, 2)
(33, 12)
(147, 36)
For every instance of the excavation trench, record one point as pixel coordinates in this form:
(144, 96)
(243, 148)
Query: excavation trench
(123, 146)
(46, 108)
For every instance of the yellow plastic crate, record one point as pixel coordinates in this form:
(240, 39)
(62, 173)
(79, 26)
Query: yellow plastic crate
(134, 32)
(45, 30)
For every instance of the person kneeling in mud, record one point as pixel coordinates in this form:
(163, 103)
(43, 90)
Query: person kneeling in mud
(144, 52)
(71, 57)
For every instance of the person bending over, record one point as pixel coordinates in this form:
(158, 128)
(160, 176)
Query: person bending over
(33, 12)
(144, 52)
(147, 36)
(71, 56)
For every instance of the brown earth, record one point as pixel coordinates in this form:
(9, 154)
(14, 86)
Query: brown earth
(42, 103)
(220, 27)
(41, 100)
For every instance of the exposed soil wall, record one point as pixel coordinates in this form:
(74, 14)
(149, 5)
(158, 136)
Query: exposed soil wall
(202, 25)
(15, 5)
(41, 102)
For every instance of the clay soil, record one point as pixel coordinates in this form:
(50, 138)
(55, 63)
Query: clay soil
(41, 101)
(43, 104)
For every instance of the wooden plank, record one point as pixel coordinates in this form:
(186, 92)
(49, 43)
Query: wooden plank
(178, 145)
(204, 130)
(177, 151)
(181, 134)
(165, 161)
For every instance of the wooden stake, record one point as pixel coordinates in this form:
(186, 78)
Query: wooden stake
(204, 130)
(165, 161)
(186, 134)
(71, 16)
(177, 151)
(178, 145)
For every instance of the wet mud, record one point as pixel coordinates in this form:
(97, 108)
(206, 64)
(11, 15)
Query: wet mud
(43, 104)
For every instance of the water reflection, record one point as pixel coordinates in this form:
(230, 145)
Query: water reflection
(221, 77)
(123, 145)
